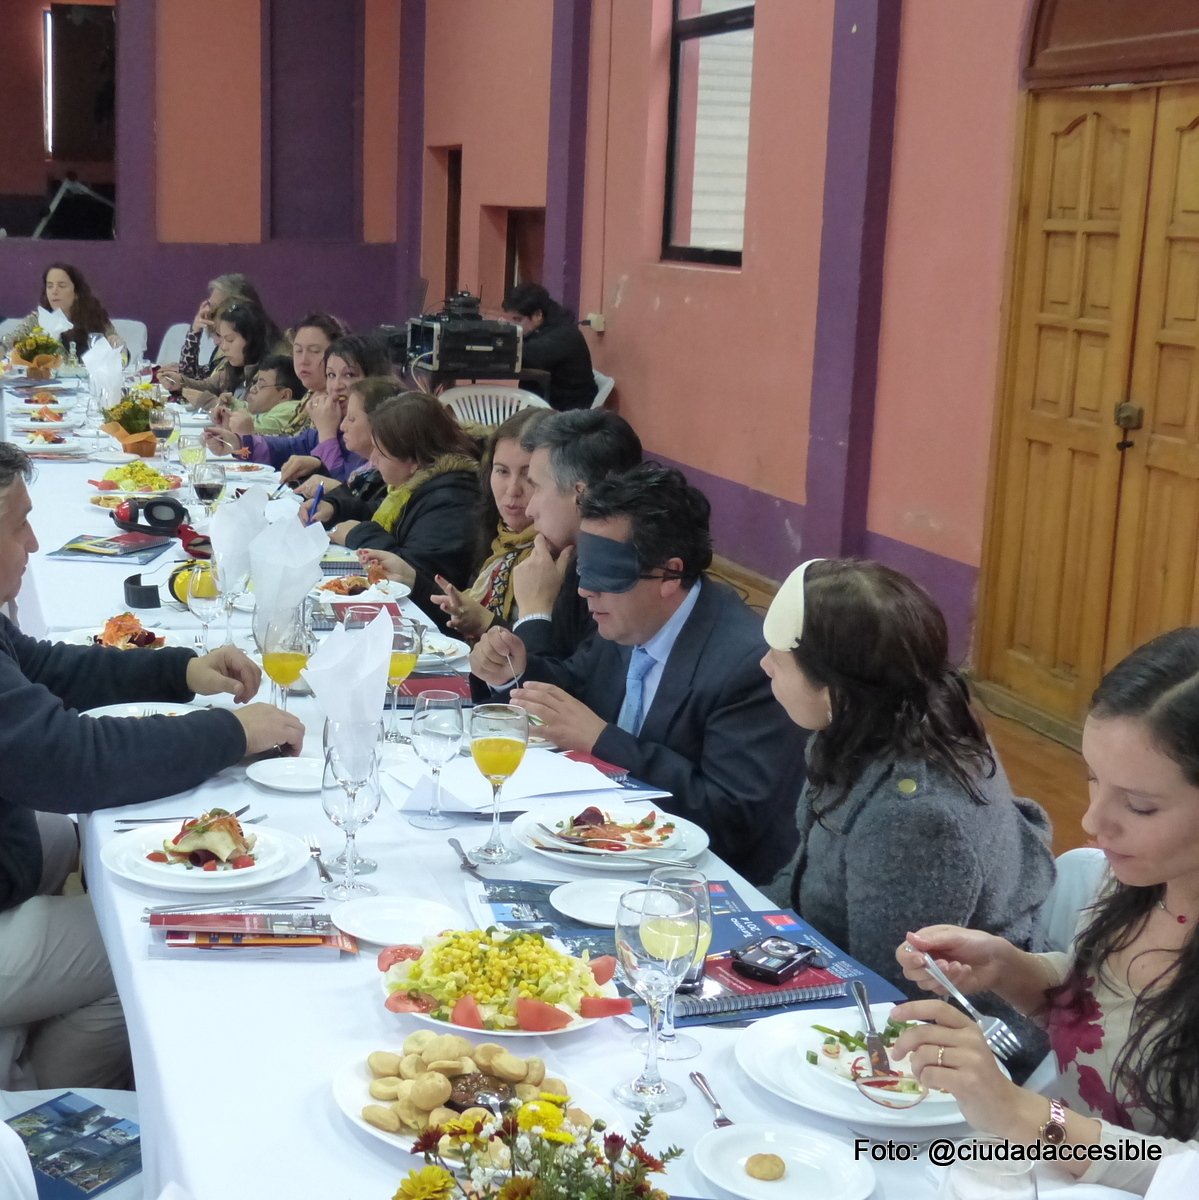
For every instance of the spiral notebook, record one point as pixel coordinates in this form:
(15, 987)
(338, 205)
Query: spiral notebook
(724, 992)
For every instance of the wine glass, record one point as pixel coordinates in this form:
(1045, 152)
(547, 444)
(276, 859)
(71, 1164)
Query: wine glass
(163, 422)
(674, 1046)
(657, 931)
(436, 737)
(203, 598)
(405, 650)
(350, 794)
(985, 1177)
(359, 616)
(362, 864)
(208, 481)
(286, 648)
(499, 734)
(231, 583)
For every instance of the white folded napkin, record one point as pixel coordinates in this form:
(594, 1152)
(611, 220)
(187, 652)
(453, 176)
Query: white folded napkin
(348, 672)
(104, 372)
(236, 524)
(285, 564)
(53, 320)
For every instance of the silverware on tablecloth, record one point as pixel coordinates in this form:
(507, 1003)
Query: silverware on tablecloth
(314, 852)
(466, 865)
(267, 905)
(710, 1096)
(167, 820)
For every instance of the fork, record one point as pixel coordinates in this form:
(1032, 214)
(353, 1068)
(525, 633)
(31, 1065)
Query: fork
(700, 1082)
(996, 1032)
(314, 852)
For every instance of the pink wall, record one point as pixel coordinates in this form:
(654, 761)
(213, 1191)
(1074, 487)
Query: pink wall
(712, 365)
(487, 82)
(945, 273)
(380, 112)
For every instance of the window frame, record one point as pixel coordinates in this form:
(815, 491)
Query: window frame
(686, 29)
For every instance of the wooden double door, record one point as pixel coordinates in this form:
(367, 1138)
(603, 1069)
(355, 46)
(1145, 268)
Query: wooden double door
(1093, 538)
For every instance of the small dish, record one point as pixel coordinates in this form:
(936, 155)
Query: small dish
(816, 1164)
(392, 920)
(113, 456)
(592, 901)
(287, 774)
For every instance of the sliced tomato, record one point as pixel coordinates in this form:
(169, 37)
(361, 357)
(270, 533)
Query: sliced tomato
(466, 1012)
(390, 955)
(210, 865)
(604, 1006)
(242, 861)
(401, 1002)
(157, 856)
(603, 968)
(536, 1016)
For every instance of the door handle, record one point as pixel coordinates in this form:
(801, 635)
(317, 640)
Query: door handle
(1129, 415)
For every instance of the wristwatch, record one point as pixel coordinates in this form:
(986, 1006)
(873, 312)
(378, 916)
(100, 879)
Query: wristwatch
(1054, 1130)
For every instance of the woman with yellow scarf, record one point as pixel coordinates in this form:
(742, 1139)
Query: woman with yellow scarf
(504, 496)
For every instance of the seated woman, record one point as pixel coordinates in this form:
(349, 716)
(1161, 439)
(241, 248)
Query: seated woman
(427, 517)
(224, 289)
(314, 333)
(906, 818)
(1120, 1006)
(553, 342)
(504, 525)
(65, 290)
(242, 334)
(274, 395)
(318, 446)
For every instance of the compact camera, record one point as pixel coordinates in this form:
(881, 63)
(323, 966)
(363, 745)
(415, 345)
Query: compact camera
(773, 959)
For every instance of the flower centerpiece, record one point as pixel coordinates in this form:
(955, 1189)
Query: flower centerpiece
(541, 1149)
(133, 411)
(38, 352)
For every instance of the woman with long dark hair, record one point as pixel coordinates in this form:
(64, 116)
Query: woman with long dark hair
(1122, 1007)
(65, 289)
(906, 818)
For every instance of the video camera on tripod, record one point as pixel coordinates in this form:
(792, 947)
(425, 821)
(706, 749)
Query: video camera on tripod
(459, 338)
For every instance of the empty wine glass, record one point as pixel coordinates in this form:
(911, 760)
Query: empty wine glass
(405, 650)
(203, 598)
(657, 931)
(163, 422)
(362, 864)
(359, 616)
(984, 1176)
(208, 482)
(674, 1046)
(436, 737)
(232, 578)
(286, 648)
(499, 734)
(350, 795)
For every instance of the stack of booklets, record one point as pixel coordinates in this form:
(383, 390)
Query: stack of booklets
(724, 995)
(139, 548)
(300, 936)
(76, 1147)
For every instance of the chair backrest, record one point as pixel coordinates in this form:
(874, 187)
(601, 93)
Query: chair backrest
(134, 335)
(171, 345)
(8, 325)
(486, 404)
(1080, 875)
(603, 388)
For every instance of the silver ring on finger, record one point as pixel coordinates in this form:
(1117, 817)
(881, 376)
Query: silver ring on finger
(940, 1056)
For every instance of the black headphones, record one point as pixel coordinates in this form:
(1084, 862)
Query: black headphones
(162, 515)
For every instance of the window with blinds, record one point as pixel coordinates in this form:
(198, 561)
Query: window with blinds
(711, 71)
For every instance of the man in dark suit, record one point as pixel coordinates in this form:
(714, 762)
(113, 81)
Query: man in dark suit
(671, 687)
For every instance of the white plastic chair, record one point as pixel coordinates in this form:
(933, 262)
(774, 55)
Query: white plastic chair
(134, 335)
(603, 388)
(9, 324)
(1080, 875)
(486, 404)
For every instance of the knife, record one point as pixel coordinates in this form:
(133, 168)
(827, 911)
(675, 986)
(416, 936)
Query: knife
(468, 866)
(579, 851)
(216, 905)
(875, 1049)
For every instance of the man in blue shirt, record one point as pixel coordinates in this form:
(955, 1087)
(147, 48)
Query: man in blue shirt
(670, 687)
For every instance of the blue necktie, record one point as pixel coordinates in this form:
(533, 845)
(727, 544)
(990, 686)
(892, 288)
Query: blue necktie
(632, 711)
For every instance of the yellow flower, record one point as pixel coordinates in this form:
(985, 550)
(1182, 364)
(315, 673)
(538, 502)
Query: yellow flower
(558, 1135)
(521, 1187)
(429, 1183)
(539, 1112)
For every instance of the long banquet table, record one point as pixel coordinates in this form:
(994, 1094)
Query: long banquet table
(234, 1059)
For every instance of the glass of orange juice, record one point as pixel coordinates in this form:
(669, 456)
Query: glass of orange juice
(405, 650)
(499, 734)
(285, 652)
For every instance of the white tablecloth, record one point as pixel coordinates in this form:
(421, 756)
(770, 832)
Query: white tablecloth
(234, 1058)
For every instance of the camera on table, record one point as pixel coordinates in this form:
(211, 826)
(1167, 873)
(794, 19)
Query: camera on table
(773, 959)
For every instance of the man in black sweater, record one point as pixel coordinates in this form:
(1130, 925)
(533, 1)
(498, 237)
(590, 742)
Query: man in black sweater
(552, 343)
(56, 990)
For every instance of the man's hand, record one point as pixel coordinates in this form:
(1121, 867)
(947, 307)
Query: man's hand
(299, 466)
(267, 728)
(537, 580)
(466, 614)
(489, 660)
(226, 669)
(567, 722)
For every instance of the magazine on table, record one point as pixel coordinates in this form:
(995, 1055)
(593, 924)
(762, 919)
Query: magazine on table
(76, 1147)
(125, 548)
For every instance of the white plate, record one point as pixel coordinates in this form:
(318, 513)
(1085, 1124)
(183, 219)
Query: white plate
(70, 445)
(592, 901)
(87, 637)
(817, 1164)
(765, 1052)
(287, 774)
(440, 651)
(237, 469)
(61, 405)
(389, 591)
(690, 843)
(279, 855)
(115, 457)
(24, 424)
(148, 708)
(191, 420)
(392, 920)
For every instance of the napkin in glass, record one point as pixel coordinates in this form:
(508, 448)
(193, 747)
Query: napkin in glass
(104, 372)
(52, 320)
(285, 564)
(348, 672)
(234, 525)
